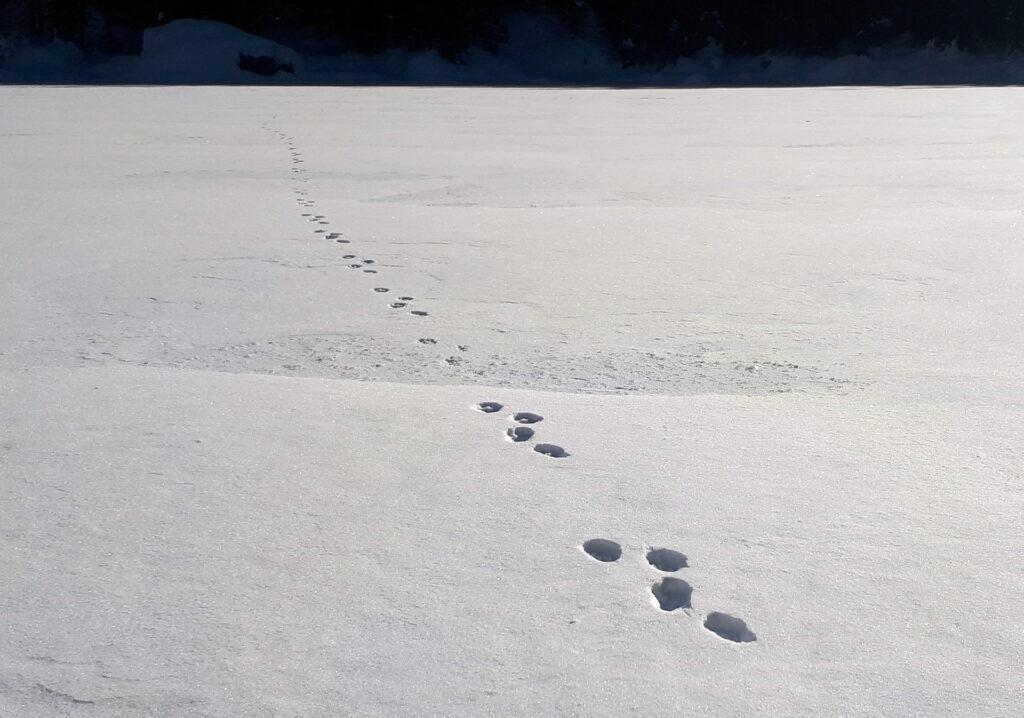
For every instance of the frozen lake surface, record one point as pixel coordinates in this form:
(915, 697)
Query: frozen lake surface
(777, 331)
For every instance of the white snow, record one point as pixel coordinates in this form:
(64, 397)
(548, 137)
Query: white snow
(777, 335)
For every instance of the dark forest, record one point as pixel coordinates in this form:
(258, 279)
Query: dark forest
(639, 32)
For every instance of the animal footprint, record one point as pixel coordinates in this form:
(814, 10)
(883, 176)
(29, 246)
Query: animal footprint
(526, 417)
(729, 627)
(398, 305)
(418, 312)
(488, 407)
(672, 593)
(552, 450)
(425, 340)
(667, 560)
(348, 256)
(519, 433)
(382, 290)
(603, 550)
(406, 299)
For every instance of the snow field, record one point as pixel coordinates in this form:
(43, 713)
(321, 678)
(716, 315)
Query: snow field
(477, 402)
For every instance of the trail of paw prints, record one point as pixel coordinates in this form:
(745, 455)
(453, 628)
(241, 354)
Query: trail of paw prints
(522, 431)
(322, 228)
(671, 593)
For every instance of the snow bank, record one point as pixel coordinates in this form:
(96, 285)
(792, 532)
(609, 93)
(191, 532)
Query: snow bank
(203, 51)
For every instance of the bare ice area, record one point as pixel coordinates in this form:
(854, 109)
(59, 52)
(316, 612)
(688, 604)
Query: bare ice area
(437, 401)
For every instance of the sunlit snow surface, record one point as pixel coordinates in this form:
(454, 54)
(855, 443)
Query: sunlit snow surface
(770, 338)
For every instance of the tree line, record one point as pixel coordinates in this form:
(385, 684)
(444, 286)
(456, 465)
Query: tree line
(647, 32)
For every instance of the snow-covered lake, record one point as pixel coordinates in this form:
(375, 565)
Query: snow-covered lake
(777, 331)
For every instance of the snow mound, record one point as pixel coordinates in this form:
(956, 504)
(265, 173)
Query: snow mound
(206, 51)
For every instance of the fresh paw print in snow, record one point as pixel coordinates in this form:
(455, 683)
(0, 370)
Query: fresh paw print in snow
(553, 450)
(488, 407)
(426, 340)
(398, 305)
(603, 550)
(526, 417)
(519, 433)
(671, 593)
(418, 312)
(381, 290)
(729, 627)
(667, 560)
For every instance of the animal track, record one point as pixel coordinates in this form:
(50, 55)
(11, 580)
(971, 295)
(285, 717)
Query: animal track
(348, 256)
(398, 305)
(672, 593)
(418, 312)
(406, 299)
(526, 417)
(665, 559)
(552, 450)
(603, 550)
(488, 407)
(519, 433)
(729, 627)
(425, 340)
(382, 290)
